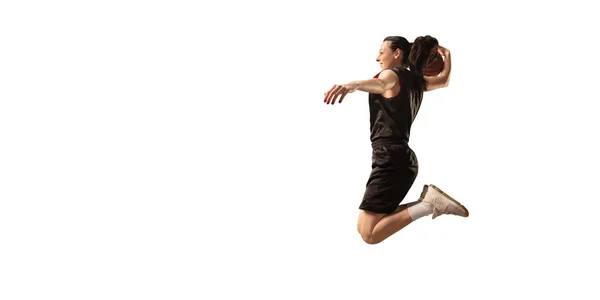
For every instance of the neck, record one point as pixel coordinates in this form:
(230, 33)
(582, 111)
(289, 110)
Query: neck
(400, 65)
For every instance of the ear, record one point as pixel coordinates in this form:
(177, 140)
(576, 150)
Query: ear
(398, 53)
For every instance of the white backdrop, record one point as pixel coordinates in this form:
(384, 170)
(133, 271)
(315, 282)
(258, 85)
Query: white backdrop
(177, 150)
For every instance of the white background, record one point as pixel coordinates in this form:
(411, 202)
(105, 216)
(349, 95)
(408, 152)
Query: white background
(177, 150)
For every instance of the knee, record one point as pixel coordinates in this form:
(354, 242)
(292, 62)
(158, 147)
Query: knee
(368, 237)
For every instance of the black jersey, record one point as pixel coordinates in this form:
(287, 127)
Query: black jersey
(392, 118)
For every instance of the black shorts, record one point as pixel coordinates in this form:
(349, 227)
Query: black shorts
(394, 170)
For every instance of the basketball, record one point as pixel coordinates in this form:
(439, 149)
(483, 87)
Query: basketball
(435, 66)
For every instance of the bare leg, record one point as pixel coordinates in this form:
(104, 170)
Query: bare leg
(374, 228)
(407, 205)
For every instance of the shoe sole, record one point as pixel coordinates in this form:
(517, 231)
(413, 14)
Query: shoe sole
(451, 199)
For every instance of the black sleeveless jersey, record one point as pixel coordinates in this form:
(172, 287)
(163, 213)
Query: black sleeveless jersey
(392, 118)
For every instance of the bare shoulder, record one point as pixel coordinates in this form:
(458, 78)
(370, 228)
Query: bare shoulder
(388, 73)
(389, 77)
(391, 82)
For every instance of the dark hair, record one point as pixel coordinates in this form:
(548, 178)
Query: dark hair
(419, 56)
(398, 42)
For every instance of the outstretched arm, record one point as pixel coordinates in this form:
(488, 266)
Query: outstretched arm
(443, 79)
(386, 81)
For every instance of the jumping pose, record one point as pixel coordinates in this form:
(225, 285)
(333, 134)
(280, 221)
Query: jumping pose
(395, 96)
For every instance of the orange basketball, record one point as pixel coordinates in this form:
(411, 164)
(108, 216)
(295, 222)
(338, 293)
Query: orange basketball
(435, 66)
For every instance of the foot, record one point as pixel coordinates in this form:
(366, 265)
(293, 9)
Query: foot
(442, 203)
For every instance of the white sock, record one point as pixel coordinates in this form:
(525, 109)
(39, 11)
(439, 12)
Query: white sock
(419, 209)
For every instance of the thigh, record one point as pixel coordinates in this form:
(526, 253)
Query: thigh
(367, 221)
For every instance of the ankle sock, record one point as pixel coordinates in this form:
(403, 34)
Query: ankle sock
(419, 209)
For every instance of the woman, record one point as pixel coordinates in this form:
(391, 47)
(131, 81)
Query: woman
(395, 96)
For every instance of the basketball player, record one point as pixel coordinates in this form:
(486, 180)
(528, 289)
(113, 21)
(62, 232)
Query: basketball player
(395, 96)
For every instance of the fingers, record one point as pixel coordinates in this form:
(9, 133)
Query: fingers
(329, 94)
(335, 92)
(342, 91)
(442, 50)
(342, 97)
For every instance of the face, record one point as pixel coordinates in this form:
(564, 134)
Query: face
(388, 58)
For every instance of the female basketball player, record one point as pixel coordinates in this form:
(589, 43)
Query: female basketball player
(395, 96)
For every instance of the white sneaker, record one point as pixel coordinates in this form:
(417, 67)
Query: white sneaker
(442, 203)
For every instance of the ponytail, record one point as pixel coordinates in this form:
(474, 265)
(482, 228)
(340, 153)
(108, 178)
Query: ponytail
(418, 58)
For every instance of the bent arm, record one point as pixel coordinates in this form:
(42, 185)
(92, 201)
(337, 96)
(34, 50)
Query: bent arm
(386, 81)
(443, 79)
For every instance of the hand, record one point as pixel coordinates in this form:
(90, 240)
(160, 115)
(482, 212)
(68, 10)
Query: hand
(443, 51)
(341, 91)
